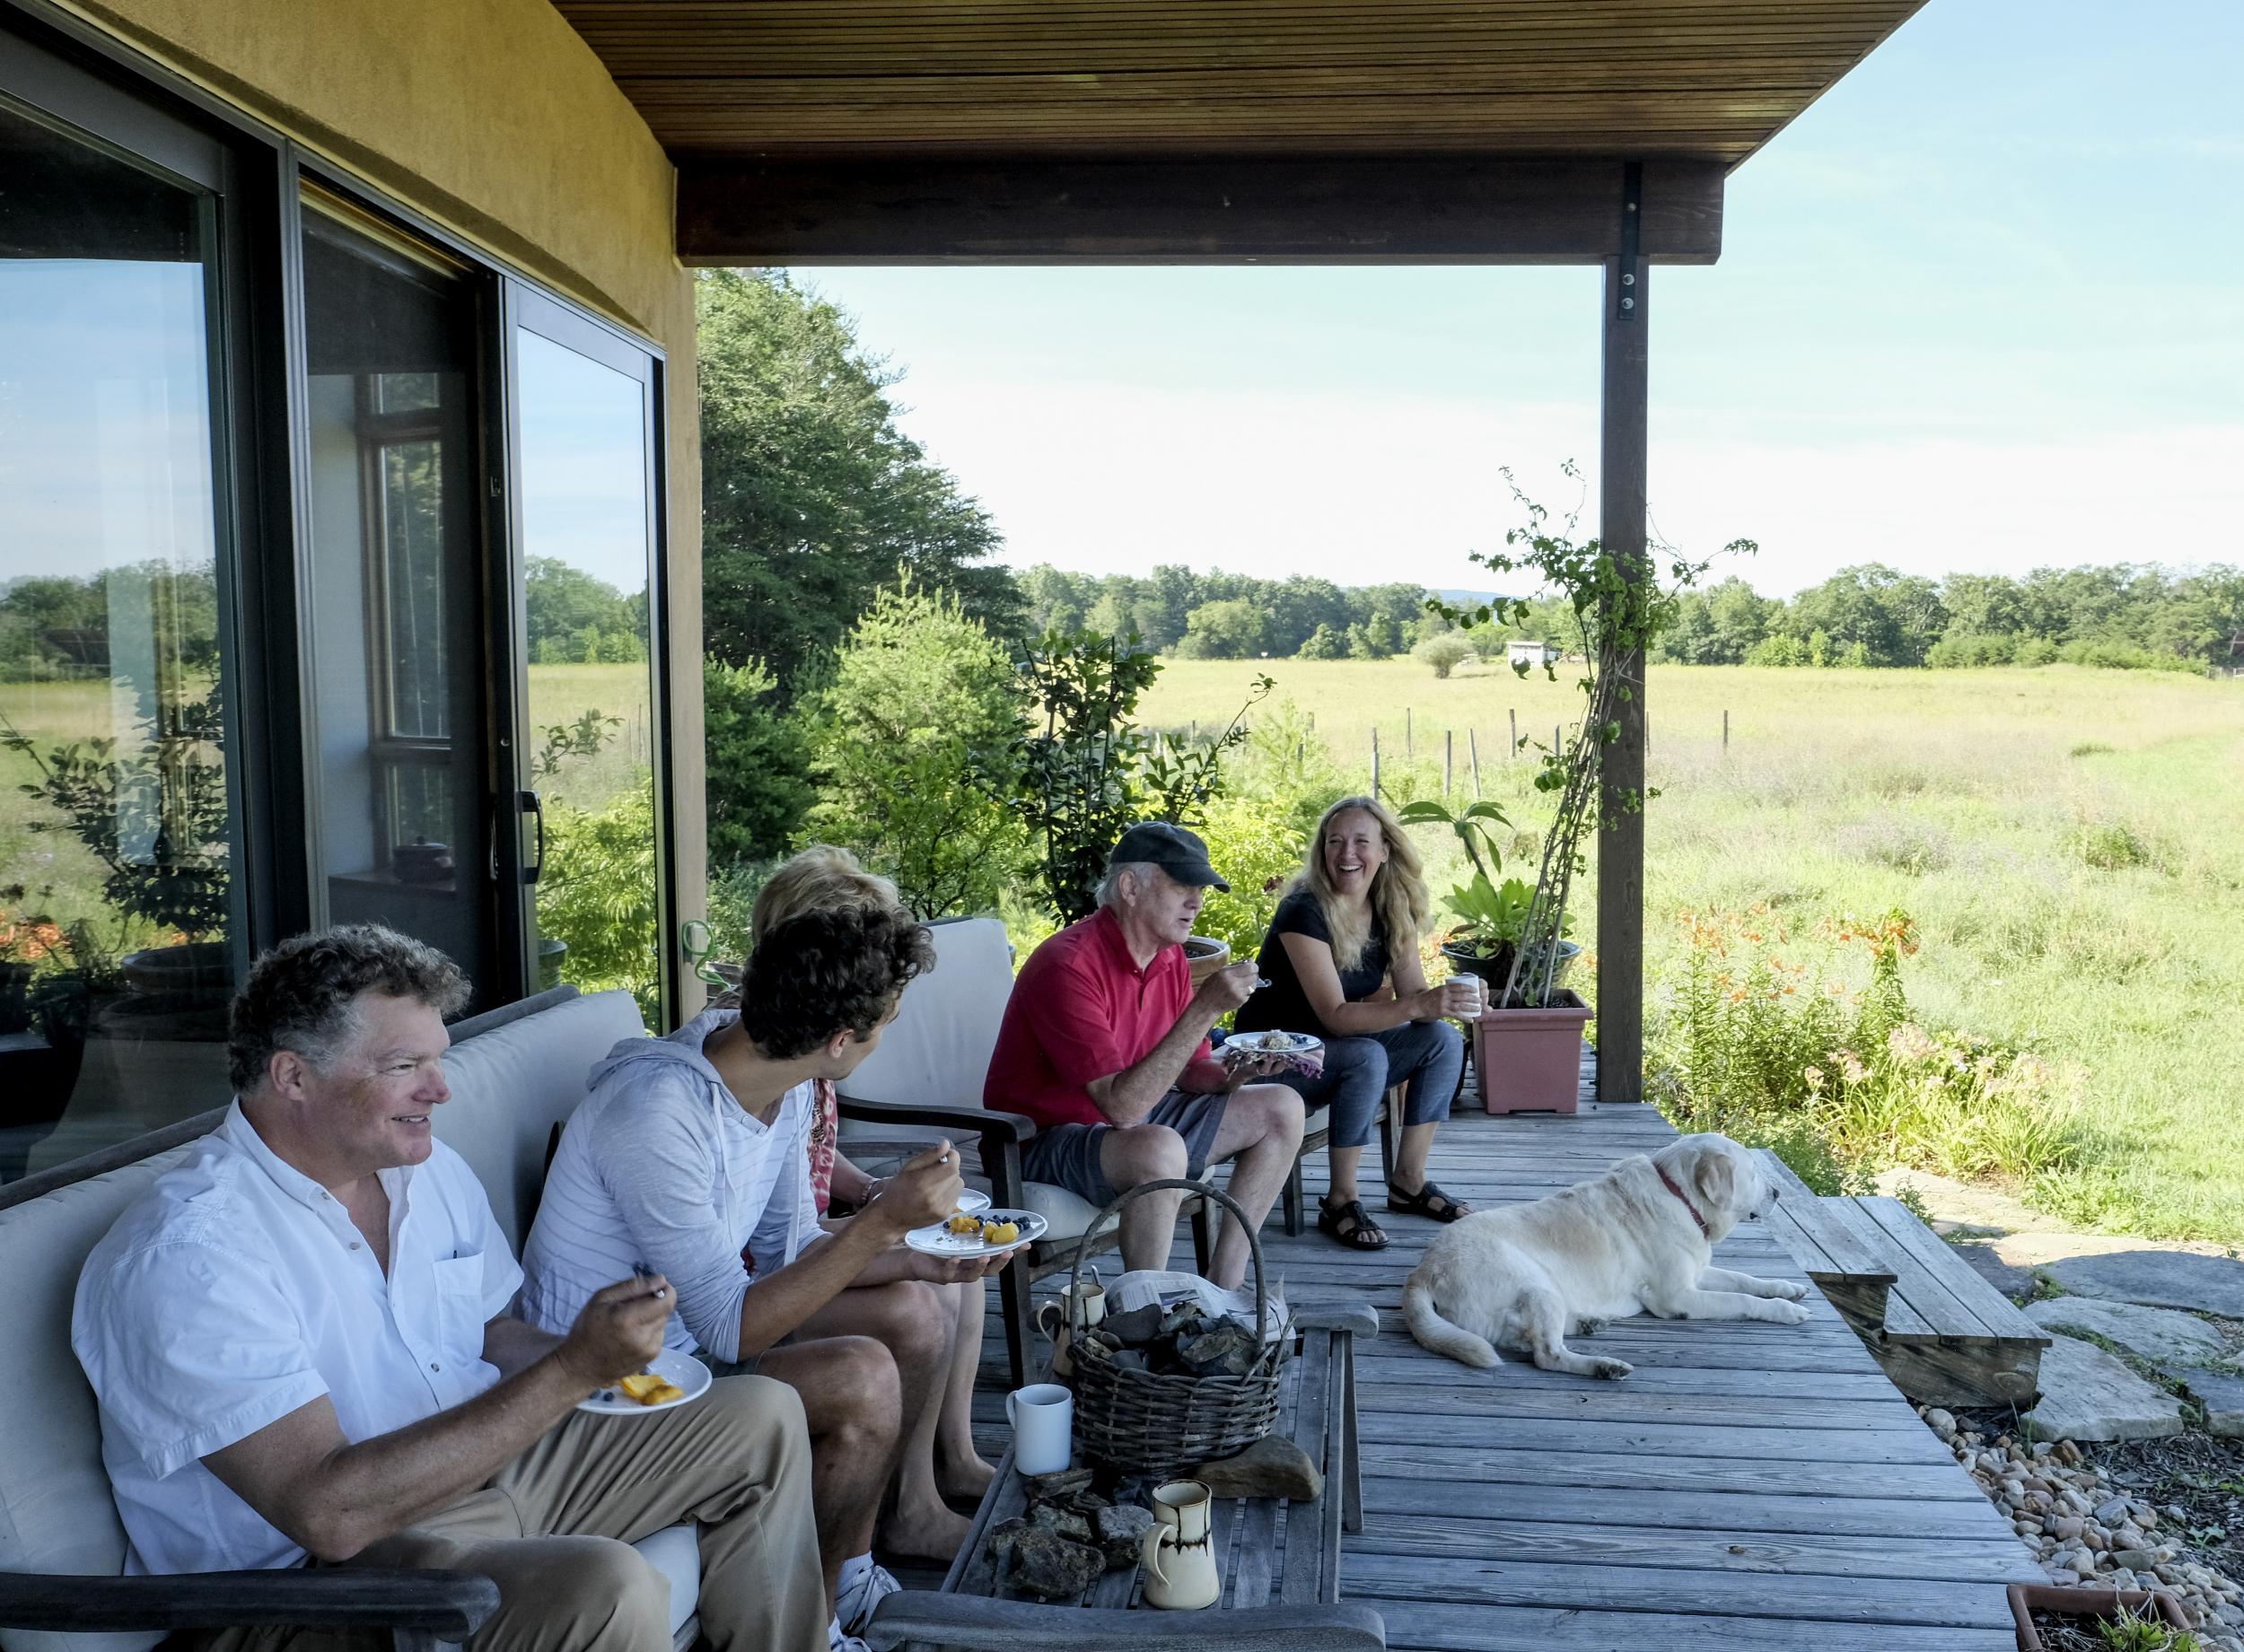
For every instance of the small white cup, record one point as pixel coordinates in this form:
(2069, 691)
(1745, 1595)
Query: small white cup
(1043, 1418)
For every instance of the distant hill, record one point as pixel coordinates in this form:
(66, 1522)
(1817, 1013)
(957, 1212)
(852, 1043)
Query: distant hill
(1462, 597)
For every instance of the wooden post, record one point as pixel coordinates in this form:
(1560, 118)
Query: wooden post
(1410, 746)
(1622, 444)
(1375, 759)
(1472, 751)
(1449, 752)
(1725, 730)
(1513, 750)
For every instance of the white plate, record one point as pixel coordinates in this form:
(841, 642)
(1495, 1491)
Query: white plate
(683, 1369)
(972, 1202)
(1250, 1044)
(938, 1241)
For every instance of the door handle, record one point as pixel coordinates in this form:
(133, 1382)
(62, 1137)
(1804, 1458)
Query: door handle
(527, 803)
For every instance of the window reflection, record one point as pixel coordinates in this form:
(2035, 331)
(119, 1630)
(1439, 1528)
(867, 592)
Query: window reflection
(586, 541)
(117, 899)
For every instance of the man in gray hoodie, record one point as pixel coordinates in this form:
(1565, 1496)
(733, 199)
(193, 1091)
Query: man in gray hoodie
(690, 1157)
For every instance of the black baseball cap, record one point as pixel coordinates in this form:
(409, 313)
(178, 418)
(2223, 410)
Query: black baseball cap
(1177, 852)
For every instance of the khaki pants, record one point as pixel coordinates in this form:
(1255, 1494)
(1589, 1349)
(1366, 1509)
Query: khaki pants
(553, 1529)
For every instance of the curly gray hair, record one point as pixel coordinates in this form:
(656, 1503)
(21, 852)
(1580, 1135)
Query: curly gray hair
(301, 995)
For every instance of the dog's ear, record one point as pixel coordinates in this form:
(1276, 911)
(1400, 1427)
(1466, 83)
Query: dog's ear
(1716, 1178)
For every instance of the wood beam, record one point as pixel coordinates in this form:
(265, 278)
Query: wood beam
(1354, 209)
(1621, 483)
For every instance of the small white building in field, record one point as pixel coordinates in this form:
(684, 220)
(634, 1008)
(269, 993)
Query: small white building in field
(1536, 653)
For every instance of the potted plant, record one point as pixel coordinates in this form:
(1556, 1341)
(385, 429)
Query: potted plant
(1490, 916)
(154, 816)
(1527, 1047)
(2118, 1619)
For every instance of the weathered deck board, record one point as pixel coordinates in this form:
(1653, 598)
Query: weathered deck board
(1754, 1487)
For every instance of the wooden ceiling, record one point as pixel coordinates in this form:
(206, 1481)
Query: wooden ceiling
(1046, 84)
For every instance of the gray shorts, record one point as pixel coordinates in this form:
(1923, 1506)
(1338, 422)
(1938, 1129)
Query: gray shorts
(1067, 1155)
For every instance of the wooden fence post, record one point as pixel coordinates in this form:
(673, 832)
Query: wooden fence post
(1375, 759)
(1472, 751)
(1449, 751)
(1410, 746)
(1513, 750)
(1725, 730)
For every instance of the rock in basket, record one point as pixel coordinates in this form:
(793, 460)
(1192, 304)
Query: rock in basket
(1141, 1423)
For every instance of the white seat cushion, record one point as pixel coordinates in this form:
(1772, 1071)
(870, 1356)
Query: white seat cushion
(674, 1552)
(1069, 1215)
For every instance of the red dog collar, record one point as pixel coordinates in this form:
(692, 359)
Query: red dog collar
(1687, 1205)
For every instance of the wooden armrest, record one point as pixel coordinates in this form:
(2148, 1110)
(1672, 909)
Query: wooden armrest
(449, 1604)
(1359, 1317)
(959, 1121)
(1022, 1626)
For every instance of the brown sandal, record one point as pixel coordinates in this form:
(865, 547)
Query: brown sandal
(1350, 1225)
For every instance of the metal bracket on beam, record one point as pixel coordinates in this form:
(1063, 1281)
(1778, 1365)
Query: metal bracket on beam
(1631, 230)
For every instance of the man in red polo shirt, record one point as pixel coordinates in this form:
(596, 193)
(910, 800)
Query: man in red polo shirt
(1104, 1044)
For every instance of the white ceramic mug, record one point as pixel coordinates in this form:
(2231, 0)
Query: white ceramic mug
(1179, 1557)
(1043, 1418)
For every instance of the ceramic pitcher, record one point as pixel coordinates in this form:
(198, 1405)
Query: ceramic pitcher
(1178, 1558)
(1077, 1310)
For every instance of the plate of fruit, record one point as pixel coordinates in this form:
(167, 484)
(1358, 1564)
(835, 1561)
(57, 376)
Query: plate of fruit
(985, 1233)
(670, 1379)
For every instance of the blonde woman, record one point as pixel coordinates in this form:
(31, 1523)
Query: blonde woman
(1342, 960)
(939, 1456)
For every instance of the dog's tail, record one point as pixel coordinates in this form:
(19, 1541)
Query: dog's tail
(1434, 1332)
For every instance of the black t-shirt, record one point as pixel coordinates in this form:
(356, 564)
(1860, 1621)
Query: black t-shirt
(1283, 1005)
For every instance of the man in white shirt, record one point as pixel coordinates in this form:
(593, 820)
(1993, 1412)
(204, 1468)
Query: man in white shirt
(300, 1344)
(690, 1155)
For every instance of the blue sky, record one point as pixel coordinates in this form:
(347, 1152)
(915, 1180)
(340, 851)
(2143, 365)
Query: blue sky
(1976, 311)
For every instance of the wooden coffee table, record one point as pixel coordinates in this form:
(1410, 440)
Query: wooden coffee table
(1280, 1562)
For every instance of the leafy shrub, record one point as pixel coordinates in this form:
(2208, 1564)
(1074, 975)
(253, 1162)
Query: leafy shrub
(759, 758)
(2108, 846)
(1773, 1051)
(916, 753)
(598, 893)
(1444, 651)
(2090, 749)
(1257, 848)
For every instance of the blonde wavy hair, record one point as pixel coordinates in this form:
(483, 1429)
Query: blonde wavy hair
(821, 879)
(1398, 896)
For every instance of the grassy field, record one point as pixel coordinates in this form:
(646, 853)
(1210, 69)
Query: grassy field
(2066, 839)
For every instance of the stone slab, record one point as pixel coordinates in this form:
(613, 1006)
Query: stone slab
(2160, 1334)
(2159, 1279)
(2087, 1394)
(2222, 1398)
(1981, 1259)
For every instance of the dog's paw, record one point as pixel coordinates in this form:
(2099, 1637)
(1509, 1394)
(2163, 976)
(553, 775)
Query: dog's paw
(1791, 1291)
(1589, 1328)
(1609, 1370)
(1787, 1313)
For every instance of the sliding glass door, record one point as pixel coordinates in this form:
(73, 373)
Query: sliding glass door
(121, 915)
(585, 437)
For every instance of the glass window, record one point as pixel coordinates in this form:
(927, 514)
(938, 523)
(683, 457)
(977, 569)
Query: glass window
(118, 906)
(397, 569)
(586, 538)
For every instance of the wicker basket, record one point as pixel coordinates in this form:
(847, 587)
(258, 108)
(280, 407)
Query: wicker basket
(1140, 1423)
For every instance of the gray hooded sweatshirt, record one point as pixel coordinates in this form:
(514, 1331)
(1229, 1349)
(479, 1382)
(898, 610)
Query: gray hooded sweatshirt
(662, 1167)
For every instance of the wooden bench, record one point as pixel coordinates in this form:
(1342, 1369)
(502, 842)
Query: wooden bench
(1943, 1334)
(1280, 1560)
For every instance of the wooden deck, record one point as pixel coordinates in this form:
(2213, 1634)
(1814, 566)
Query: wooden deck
(1750, 1486)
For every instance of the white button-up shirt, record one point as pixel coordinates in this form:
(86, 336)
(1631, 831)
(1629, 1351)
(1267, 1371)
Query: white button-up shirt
(238, 1290)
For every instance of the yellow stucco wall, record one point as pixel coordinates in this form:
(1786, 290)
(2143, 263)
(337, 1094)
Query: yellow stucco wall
(494, 118)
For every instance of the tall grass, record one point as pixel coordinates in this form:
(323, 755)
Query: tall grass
(2066, 840)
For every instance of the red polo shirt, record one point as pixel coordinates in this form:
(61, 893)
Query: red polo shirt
(1080, 1009)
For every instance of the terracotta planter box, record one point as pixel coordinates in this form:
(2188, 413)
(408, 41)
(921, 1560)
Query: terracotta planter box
(2087, 1606)
(1530, 1060)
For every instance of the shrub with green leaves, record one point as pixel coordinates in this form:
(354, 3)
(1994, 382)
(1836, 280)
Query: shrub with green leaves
(1771, 1047)
(760, 760)
(598, 893)
(916, 749)
(1257, 848)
